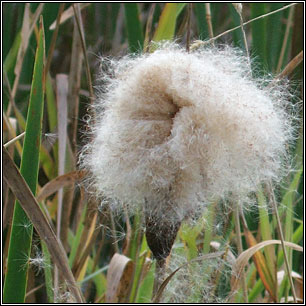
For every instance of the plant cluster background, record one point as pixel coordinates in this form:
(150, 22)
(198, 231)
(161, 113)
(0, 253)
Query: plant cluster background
(51, 63)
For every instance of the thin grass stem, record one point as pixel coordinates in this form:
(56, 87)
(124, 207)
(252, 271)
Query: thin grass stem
(14, 140)
(279, 227)
(159, 275)
(209, 23)
(240, 250)
(285, 41)
(199, 43)
(81, 31)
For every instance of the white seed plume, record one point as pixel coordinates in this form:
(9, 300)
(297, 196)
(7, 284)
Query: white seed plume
(185, 128)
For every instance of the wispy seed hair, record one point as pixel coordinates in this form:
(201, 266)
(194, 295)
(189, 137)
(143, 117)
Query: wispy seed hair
(182, 129)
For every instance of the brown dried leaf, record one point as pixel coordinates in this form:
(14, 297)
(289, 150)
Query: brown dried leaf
(28, 202)
(119, 279)
(66, 15)
(244, 257)
(58, 183)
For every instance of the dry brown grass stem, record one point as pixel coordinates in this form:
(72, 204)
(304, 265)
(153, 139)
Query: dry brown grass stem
(199, 43)
(78, 19)
(149, 28)
(279, 227)
(209, 23)
(14, 140)
(292, 65)
(26, 31)
(53, 39)
(28, 202)
(188, 27)
(285, 41)
(244, 37)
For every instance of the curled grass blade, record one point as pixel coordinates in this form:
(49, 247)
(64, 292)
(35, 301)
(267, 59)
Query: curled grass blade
(244, 257)
(118, 279)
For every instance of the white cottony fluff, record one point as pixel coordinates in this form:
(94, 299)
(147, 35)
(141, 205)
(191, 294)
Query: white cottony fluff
(185, 128)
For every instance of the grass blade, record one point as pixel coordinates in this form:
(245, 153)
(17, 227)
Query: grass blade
(244, 257)
(237, 35)
(259, 39)
(28, 202)
(48, 272)
(167, 21)
(274, 35)
(199, 9)
(21, 235)
(134, 28)
(266, 234)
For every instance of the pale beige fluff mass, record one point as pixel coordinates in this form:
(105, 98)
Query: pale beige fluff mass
(185, 128)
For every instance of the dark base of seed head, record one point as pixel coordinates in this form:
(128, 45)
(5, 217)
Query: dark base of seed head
(160, 236)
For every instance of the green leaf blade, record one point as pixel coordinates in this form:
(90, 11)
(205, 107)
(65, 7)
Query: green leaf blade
(22, 228)
(134, 29)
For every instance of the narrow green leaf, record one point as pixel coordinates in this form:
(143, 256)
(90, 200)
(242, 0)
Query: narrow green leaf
(259, 32)
(134, 28)
(274, 35)
(256, 290)
(296, 238)
(237, 35)
(76, 240)
(266, 234)
(48, 272)
(21, 235)
(10, 59)
(146, 287)
(167, 21)
(199, 9)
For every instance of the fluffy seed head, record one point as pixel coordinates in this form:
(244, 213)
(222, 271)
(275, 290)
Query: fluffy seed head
(180, 129)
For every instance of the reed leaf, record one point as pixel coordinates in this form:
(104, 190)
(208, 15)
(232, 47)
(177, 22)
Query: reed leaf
(21, 235)
(133, 25)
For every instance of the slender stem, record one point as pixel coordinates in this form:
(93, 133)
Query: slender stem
(199, 43)
(115, 242)
(240, 249)
(54, 37)
(292, 65)
(188, 27)
(14, 140)
(283, 244)
(208, 20)
(286, 36)
(80, 28)
(159, 275)
(244, 39)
